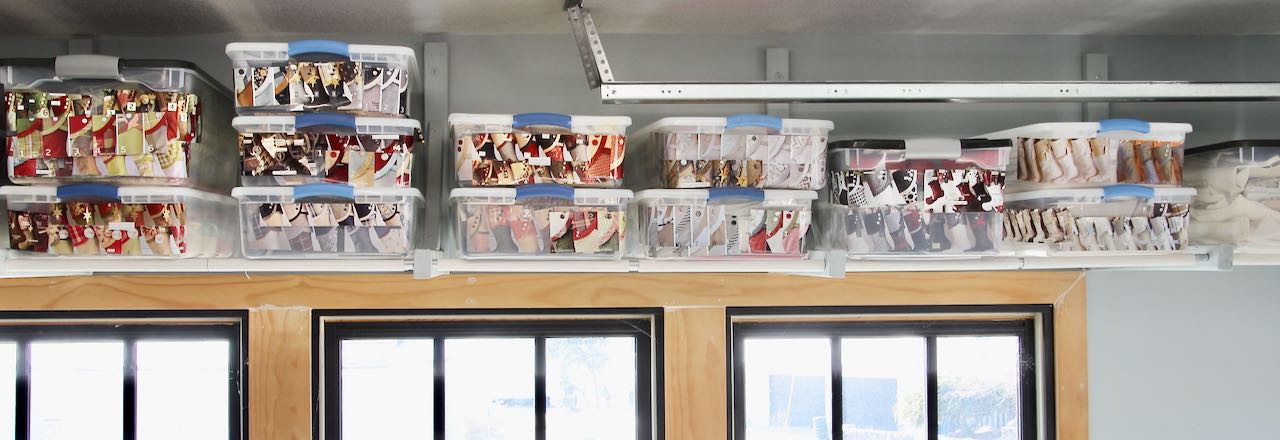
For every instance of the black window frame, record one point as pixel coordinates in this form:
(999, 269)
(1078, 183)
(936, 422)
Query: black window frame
(1035, 342)
(130, 327)
(330, 327)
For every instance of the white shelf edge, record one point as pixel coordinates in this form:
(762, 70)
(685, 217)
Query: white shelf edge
(1251, 259)
(352, 265)
(1186, 260)
(458, 265)
(1197, 258)
(933, 265)
(797, 267)
(40, 267)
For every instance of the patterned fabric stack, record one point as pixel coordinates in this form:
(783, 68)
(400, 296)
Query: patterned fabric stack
(134, 167)
(326, 149)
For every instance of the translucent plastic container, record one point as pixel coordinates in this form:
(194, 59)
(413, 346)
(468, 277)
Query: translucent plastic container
(321, 75)
(327, 221)
(528, 148)
(1238, 194)
(103, 221)
(541, 221)
(100, 119)
(748, 151)
(1091, 154)
(1113, 219)
(917, 196)
(724, 223)
(365, 152)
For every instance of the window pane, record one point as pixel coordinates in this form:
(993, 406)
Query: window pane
(978, 388)
(787, 388)
(883, 388)
(183, 390)
(8, 376)
(77, 390)
(387, 389)
(591, 388)
(489, 389)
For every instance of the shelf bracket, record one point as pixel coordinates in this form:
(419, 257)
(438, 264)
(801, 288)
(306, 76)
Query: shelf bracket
(777, 68)
(424, 264)
(1096, 69)
(1096, 91)
(594, 62)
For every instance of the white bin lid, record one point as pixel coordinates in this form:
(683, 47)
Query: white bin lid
(1129, 128)
(361, 124)
(580, 195)
(704, 194)
(576, 123)
(126, 194)
(266, 52)
(715, 125)
(1113, 192)
(289, 192)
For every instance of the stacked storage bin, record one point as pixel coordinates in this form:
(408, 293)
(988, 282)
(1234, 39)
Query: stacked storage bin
(734, 187)
(326, 149)
(1098, 188)
(917, 197)
(1238, 194)
(539, 186)
(119, 158)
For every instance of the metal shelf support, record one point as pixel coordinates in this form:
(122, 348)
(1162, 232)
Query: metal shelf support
(1096, 89)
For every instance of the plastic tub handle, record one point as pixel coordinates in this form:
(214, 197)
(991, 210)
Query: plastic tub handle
(89, 191)
(539, 190)
(1134, 125)
(1128, 191)
(319, 50)
(324, 121)
(753, 120)
(932, 148)
(86, 67)
(314, 191)
(554, 119)
(735, 193)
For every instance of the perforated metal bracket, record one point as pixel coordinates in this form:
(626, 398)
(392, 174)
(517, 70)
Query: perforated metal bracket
(594, 62)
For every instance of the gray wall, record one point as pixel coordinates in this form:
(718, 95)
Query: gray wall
(1172, 355)
(1184, 355)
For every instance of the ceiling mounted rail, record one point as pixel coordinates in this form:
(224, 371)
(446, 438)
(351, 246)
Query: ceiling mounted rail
(600, 74)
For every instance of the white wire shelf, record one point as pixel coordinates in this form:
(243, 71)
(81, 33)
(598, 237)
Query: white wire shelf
(428, 264)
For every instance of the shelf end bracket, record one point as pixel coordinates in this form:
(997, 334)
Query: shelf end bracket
(591, 52)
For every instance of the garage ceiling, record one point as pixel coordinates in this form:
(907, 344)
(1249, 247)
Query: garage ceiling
(270, 17)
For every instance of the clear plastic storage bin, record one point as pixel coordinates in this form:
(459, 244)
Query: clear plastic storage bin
(96, 118)
(1117, 218)
(327, 221)
(1237, 194)
(749, 151)
(1092, 154)
(724, 223)
(917, 196)
(95, 221)
(365, 152)
(541, 221)
(508, 150)
(321, 75)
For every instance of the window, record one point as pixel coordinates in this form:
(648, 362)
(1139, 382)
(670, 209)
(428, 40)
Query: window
(122, 375)
(874, 373)
(510, 375)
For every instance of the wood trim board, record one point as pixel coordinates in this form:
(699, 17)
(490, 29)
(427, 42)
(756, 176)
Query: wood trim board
(694, 318)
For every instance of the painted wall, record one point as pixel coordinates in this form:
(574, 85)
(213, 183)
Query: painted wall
(1183, 355)
(1173, 355)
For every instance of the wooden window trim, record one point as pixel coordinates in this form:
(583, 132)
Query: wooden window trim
(694, 321)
